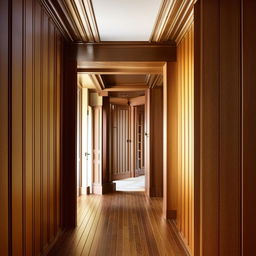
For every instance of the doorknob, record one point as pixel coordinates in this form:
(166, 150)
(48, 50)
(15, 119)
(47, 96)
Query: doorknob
(86, 154)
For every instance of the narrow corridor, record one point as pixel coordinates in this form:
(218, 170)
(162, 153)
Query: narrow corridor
(123, 223)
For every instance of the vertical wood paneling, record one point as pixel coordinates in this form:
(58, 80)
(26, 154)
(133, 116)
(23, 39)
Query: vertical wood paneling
(230, 119)
(4, 131)
(156, 141)
(37, 126)
(248, 127)
(17, 127)
(45, 161)
(185, 141)
(28, 131)
(120, 167)
(219, 38)
(34, 52)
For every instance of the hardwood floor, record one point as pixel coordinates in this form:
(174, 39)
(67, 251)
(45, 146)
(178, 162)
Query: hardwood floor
(123, 223)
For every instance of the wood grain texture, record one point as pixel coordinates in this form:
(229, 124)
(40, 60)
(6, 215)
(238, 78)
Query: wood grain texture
(219, 38)
(32, 61)
(180, 136)
(248, 126)
(156, 142)
(119, 224)
(4, 127)
(230, 129)
(120, 145)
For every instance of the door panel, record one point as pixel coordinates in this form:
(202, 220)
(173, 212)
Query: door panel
(120, 130)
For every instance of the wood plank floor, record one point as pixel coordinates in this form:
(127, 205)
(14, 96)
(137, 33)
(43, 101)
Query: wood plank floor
(122, 223)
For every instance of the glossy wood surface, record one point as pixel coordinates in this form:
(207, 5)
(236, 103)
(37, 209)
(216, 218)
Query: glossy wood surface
(156, 141)
(4, 127)
(32, 142)
(120, 144)
(185, 203)
(248, 127)
(119, 224)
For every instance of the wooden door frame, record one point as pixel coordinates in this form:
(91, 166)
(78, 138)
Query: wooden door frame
(151, 67)
(163, 68)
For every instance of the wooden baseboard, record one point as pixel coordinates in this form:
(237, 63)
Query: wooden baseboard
(171, 214)
(48, 247)
(100, 189)
(84, 190)
(179, 237)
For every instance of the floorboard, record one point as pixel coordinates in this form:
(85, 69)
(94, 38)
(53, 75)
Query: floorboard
(122, 223)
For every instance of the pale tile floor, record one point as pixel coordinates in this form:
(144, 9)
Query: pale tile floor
(131, 184)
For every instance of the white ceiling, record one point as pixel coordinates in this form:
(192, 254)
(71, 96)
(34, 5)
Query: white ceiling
(126, 20)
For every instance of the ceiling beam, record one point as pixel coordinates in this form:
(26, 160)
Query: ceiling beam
(126, 89)
(128, 51)
(120, 71)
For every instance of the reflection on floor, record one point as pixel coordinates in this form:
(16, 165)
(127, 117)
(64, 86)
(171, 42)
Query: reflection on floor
(119, 224)
(131, 184)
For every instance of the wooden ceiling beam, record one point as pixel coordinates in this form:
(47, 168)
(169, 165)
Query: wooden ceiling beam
(126, 89)
(120, 71)
(128, 51)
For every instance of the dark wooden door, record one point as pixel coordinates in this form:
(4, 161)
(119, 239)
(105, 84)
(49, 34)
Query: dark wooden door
(121, 146)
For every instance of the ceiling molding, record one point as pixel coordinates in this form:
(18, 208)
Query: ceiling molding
(74, 18)
(175, 16)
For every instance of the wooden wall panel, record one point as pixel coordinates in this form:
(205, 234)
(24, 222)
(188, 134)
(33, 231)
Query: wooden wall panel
(33, 58)
(248, 127)
(4, 127)
(218, 38)
(156, 142)
(185, 120)
(180, 139)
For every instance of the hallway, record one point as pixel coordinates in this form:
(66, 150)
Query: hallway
(123, 223)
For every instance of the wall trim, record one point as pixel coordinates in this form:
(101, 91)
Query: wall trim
(179, 237)
(50, 245)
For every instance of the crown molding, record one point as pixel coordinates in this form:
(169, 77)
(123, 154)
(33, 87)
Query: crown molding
(74, 18)
(174, 17)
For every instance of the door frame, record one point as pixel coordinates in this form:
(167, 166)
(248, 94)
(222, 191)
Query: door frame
(152, 67)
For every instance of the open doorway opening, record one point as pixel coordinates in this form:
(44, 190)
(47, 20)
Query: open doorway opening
(84, 142)
(127, 147)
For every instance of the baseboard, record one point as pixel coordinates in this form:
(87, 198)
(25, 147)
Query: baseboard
(84, 190)
(48, 247)
(171, 214)
(100, 189)
(179, 237)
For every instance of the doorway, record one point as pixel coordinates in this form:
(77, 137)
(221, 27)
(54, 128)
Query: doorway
(127, 147)
(84, 143)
